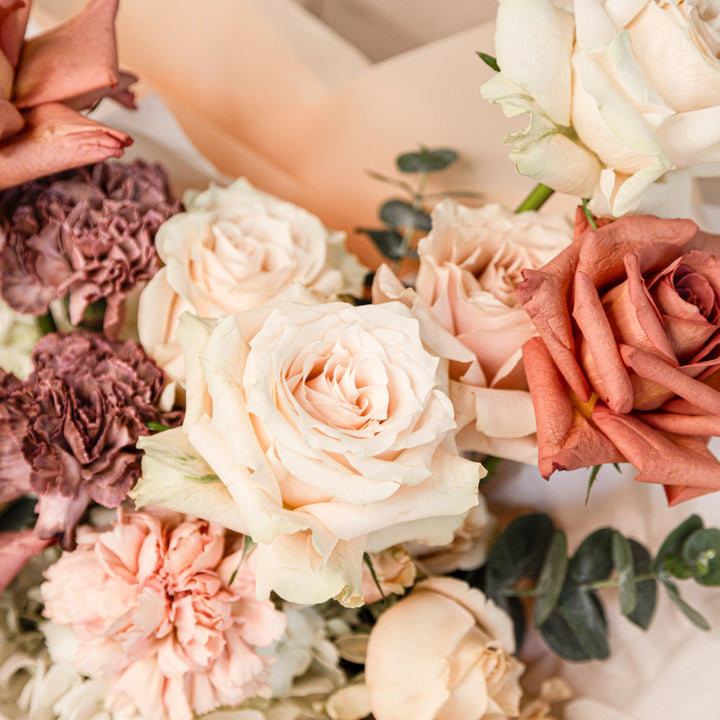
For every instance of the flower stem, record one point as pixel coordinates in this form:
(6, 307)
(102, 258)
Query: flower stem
(539, 194)
(597, 585)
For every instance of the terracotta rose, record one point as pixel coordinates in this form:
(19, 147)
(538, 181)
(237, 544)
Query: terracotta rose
(626, 365)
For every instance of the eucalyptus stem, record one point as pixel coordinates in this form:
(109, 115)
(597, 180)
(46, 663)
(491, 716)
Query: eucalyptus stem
(410, 229)
(597, 585)
(537, 197)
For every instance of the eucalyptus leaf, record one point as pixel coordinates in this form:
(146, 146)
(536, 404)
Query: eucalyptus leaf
(426, 160)
(702, 553)
(593, 560)
(672, 547)
(623, 562)
(577, 629)
(518, 553)
(552, 577)
(690, 613)
(389, 243)
(401, 214)
(645, 591)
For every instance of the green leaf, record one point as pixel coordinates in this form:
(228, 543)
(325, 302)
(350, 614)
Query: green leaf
(645, 591)
(552, 577)
(702, 553)
(592, 560)
(401, 214)
(577, 629)
(518, 553)
(425, 160)
(672, 548)
(19, 515)
(591, 220)
(690, 613)
(593, 476)
(489, 60)
(389, 243)
(623, 562)
(156, 426)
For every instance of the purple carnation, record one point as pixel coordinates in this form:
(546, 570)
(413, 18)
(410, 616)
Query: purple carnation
(71, 428)
(86, 233)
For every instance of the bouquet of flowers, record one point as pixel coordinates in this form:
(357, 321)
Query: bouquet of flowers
(245, 477)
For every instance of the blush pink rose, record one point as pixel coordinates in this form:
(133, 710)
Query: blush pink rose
(323, 431)
(444, 652)
(626, 366)
(470, 264)
(166, 612)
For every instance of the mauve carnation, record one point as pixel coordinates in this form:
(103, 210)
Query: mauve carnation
(166, 612)
(86, 233)
(68, 432)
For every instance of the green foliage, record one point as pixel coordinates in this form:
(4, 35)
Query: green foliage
(401, 214)
(18, 515)
(389, 242)
(489, 60)
(531, 559)
(425, 160)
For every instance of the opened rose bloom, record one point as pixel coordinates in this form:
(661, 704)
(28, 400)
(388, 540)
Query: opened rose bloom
(459, 666)
(470, 264)
(85, 234)
(233, 249)
(619, 93)
(626, 366)
(165, 609)
(69, 430)
(45, 80)
(323, 431)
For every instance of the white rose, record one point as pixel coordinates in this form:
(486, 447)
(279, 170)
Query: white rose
(619, 93)
(470, 264)
(233, 249)
(329, 433)
(443, 652)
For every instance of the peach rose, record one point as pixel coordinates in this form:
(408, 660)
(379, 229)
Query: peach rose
(233, 249)
(619, 93)
(320, 429)
(469, 266)
(443, 652)
(626, 366)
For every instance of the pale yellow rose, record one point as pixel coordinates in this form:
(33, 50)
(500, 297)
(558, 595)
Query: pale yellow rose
(18, 334)
(233, 249)
(619, 93)
(321, 430)
(470, 264)
(443, 652)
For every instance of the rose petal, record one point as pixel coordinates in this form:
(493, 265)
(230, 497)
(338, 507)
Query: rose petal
(566, 440)
(72, 59)
(658, 457)
(56, 139)
(607, 372)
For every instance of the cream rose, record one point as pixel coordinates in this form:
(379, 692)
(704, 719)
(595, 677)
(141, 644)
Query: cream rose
(459, 666)
(323, 431)
(619, 93)
(470, 264)
(233, 249)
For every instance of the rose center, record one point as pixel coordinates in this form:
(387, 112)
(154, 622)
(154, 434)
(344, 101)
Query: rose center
(695, 289)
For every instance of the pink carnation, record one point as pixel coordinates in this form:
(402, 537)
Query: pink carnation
(166, 612)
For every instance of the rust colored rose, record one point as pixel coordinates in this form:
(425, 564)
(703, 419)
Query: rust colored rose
(627, 365)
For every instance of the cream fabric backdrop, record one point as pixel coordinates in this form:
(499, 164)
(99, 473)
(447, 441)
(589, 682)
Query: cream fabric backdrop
(303, 97)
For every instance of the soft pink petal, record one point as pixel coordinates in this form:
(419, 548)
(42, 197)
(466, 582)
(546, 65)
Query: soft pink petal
(11, 120)
(610, 378)
(16, 548)
(57, 138)
(72, 59)
(679, 424)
